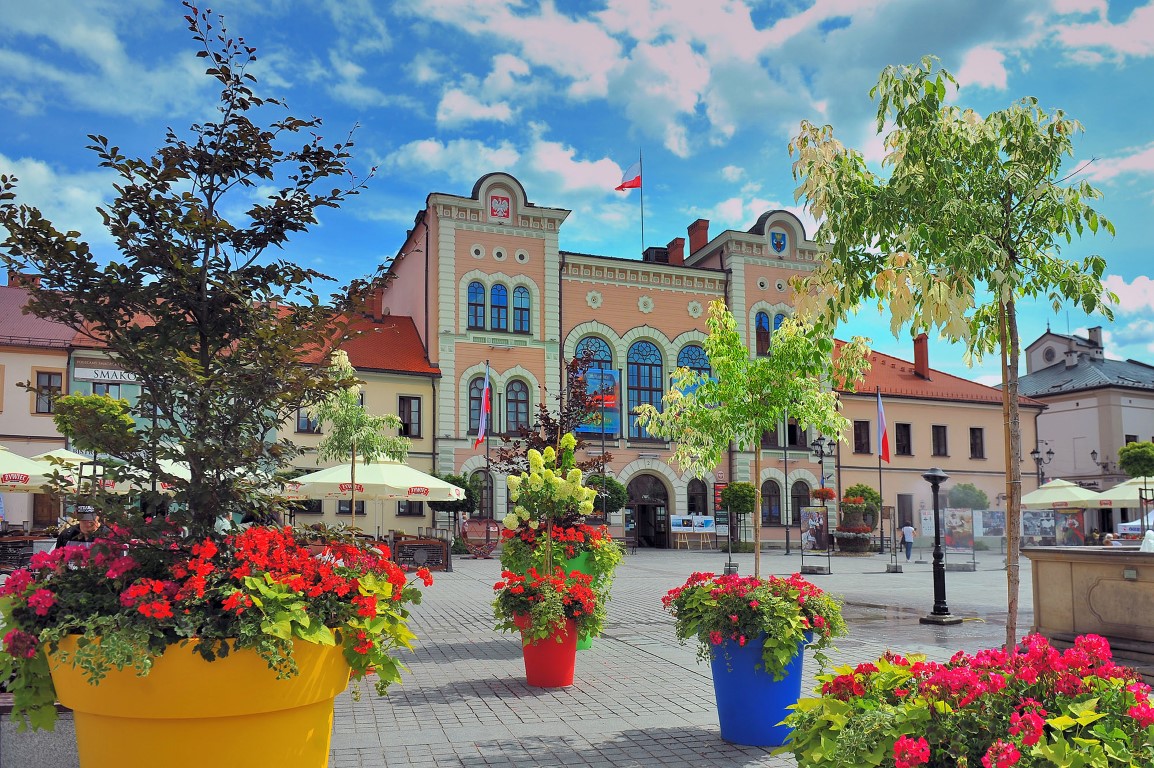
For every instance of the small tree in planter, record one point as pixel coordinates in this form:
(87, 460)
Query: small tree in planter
(740, 500)
(870, 498)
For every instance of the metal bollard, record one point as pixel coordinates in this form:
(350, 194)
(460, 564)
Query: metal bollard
(787, 540)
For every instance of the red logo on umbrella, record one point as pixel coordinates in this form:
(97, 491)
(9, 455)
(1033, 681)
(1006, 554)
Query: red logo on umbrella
(418, 490)
(15, 477)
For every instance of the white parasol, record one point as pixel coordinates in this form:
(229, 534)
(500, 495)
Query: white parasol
(380, 479)
(19, 474)
(1059, 494)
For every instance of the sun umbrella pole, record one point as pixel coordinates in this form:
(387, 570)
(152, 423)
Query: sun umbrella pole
(353, 488)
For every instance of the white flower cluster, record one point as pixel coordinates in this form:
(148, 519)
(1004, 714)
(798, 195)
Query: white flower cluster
(548, 490)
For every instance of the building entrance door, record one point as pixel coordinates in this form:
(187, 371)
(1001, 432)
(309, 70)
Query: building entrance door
(649, 501)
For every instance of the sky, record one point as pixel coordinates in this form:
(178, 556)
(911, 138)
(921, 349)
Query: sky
(565, 95)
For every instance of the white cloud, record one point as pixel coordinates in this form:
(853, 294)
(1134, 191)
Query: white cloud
(1096, 7)
(68, 200)
(983, 67)
(462, 160)
(458, 107)
(1133, 37)
(1138, 161)
(1134, 296)
(732, 173)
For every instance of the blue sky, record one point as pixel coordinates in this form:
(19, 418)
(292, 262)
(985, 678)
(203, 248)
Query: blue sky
(564, 94)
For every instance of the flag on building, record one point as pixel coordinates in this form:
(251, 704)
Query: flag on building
(631, 179)
(483, 421)
(883, 432)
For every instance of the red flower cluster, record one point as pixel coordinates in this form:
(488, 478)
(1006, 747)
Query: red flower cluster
(571, 596)
(996, 692)
(573, 539)
(853, 500)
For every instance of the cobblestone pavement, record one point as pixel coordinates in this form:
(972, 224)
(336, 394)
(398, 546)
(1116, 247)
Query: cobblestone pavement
(638, 699)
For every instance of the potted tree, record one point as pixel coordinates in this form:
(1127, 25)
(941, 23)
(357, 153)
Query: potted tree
(176, 618)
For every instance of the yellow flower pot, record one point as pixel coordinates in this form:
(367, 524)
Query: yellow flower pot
(189, 712)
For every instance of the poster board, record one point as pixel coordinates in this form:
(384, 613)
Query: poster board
(814, 529)
(958, 531)
(604, 388)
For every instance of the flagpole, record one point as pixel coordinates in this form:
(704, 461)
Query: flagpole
(491, 487)
(641, 167)
(881, 512)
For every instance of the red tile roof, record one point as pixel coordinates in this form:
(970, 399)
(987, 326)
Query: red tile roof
(896, 378)
(389, 344)
(21, 330)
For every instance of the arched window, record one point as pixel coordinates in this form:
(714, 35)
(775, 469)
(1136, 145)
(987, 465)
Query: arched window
(476, 305)
(770, 503)
(516, 407)
(485, 503)
(520, 309)
(499, 308)
(646, 381)
(799, 498)
(598, 350)
(763, 332)
(694, 358)
(697, 498)
(476, 392)
(777, 320)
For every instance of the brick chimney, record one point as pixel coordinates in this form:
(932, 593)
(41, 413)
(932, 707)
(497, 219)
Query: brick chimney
(922, 356)
(698, 235)
(374, 306)
(676, 250)
(1094, 336)
(22, 279)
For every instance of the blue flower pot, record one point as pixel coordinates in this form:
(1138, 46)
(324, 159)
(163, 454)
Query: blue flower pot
(750, 704)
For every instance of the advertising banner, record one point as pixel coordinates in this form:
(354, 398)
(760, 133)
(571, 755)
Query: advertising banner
(604, 388)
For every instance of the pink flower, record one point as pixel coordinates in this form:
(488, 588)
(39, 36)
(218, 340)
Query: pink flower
(1144, 714)
(1028, 725)
(753, 603)
(715, 637)
(1001, 754)
(733, 617)
(20, 644)
(911, 752)
(40, 601)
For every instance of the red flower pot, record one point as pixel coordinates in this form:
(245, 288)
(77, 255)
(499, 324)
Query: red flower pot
(549, 663)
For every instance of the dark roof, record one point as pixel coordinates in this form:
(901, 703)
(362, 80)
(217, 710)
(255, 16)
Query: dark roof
(895, 377)
(1088, 373)
(21, 330)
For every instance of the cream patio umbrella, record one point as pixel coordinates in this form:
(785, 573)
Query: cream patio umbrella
(382, 479)
(19, 474)
(1060, 494)
(1129, 494)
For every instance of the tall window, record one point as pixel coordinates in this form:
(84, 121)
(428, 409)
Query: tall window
(520, 309)
(770, 503)
(694, 358)
(763, 333)
(697, 497)
(106, 388)
(48, 388)
(977, 443)
(499, 308)
(516, 407)
(795, 436)
(486, 486)
(476, 392)
(410, 412)
(903, 440)
(600, 355)
(646, 381)
(778, 319)
(798, 498)
(476, 305)
(941, 444)
(861, 437)
(306, 422)
(770, 439)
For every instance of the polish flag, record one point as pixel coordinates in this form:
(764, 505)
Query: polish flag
(631, 179)
(883, 432)
(486, 406)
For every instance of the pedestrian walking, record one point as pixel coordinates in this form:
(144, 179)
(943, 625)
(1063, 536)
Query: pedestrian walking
(908, 532)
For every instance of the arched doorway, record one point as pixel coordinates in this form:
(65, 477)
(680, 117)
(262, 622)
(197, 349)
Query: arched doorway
(649, 506)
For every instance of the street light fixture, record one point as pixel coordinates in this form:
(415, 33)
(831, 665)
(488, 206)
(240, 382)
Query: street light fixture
(941, 612)
(1104, 465)
(1036, 455)
(821, 447)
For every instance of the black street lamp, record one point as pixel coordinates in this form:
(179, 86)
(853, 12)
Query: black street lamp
(1039, 462)
(941, 613)
(821, 447)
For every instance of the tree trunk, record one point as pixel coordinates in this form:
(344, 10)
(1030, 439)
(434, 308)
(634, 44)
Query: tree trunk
(353, 490)
(1009, 342)
(756, 510)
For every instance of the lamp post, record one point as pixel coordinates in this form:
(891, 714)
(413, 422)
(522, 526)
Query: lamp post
(1039, 462)
(941, 612)
(822, 446)
(1103, 465)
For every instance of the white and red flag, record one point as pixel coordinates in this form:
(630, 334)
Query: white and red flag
(631, 179)
(486, 406)
(883, 432)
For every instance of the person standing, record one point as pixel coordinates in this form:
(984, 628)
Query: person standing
(908, 532)
(84, 532)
